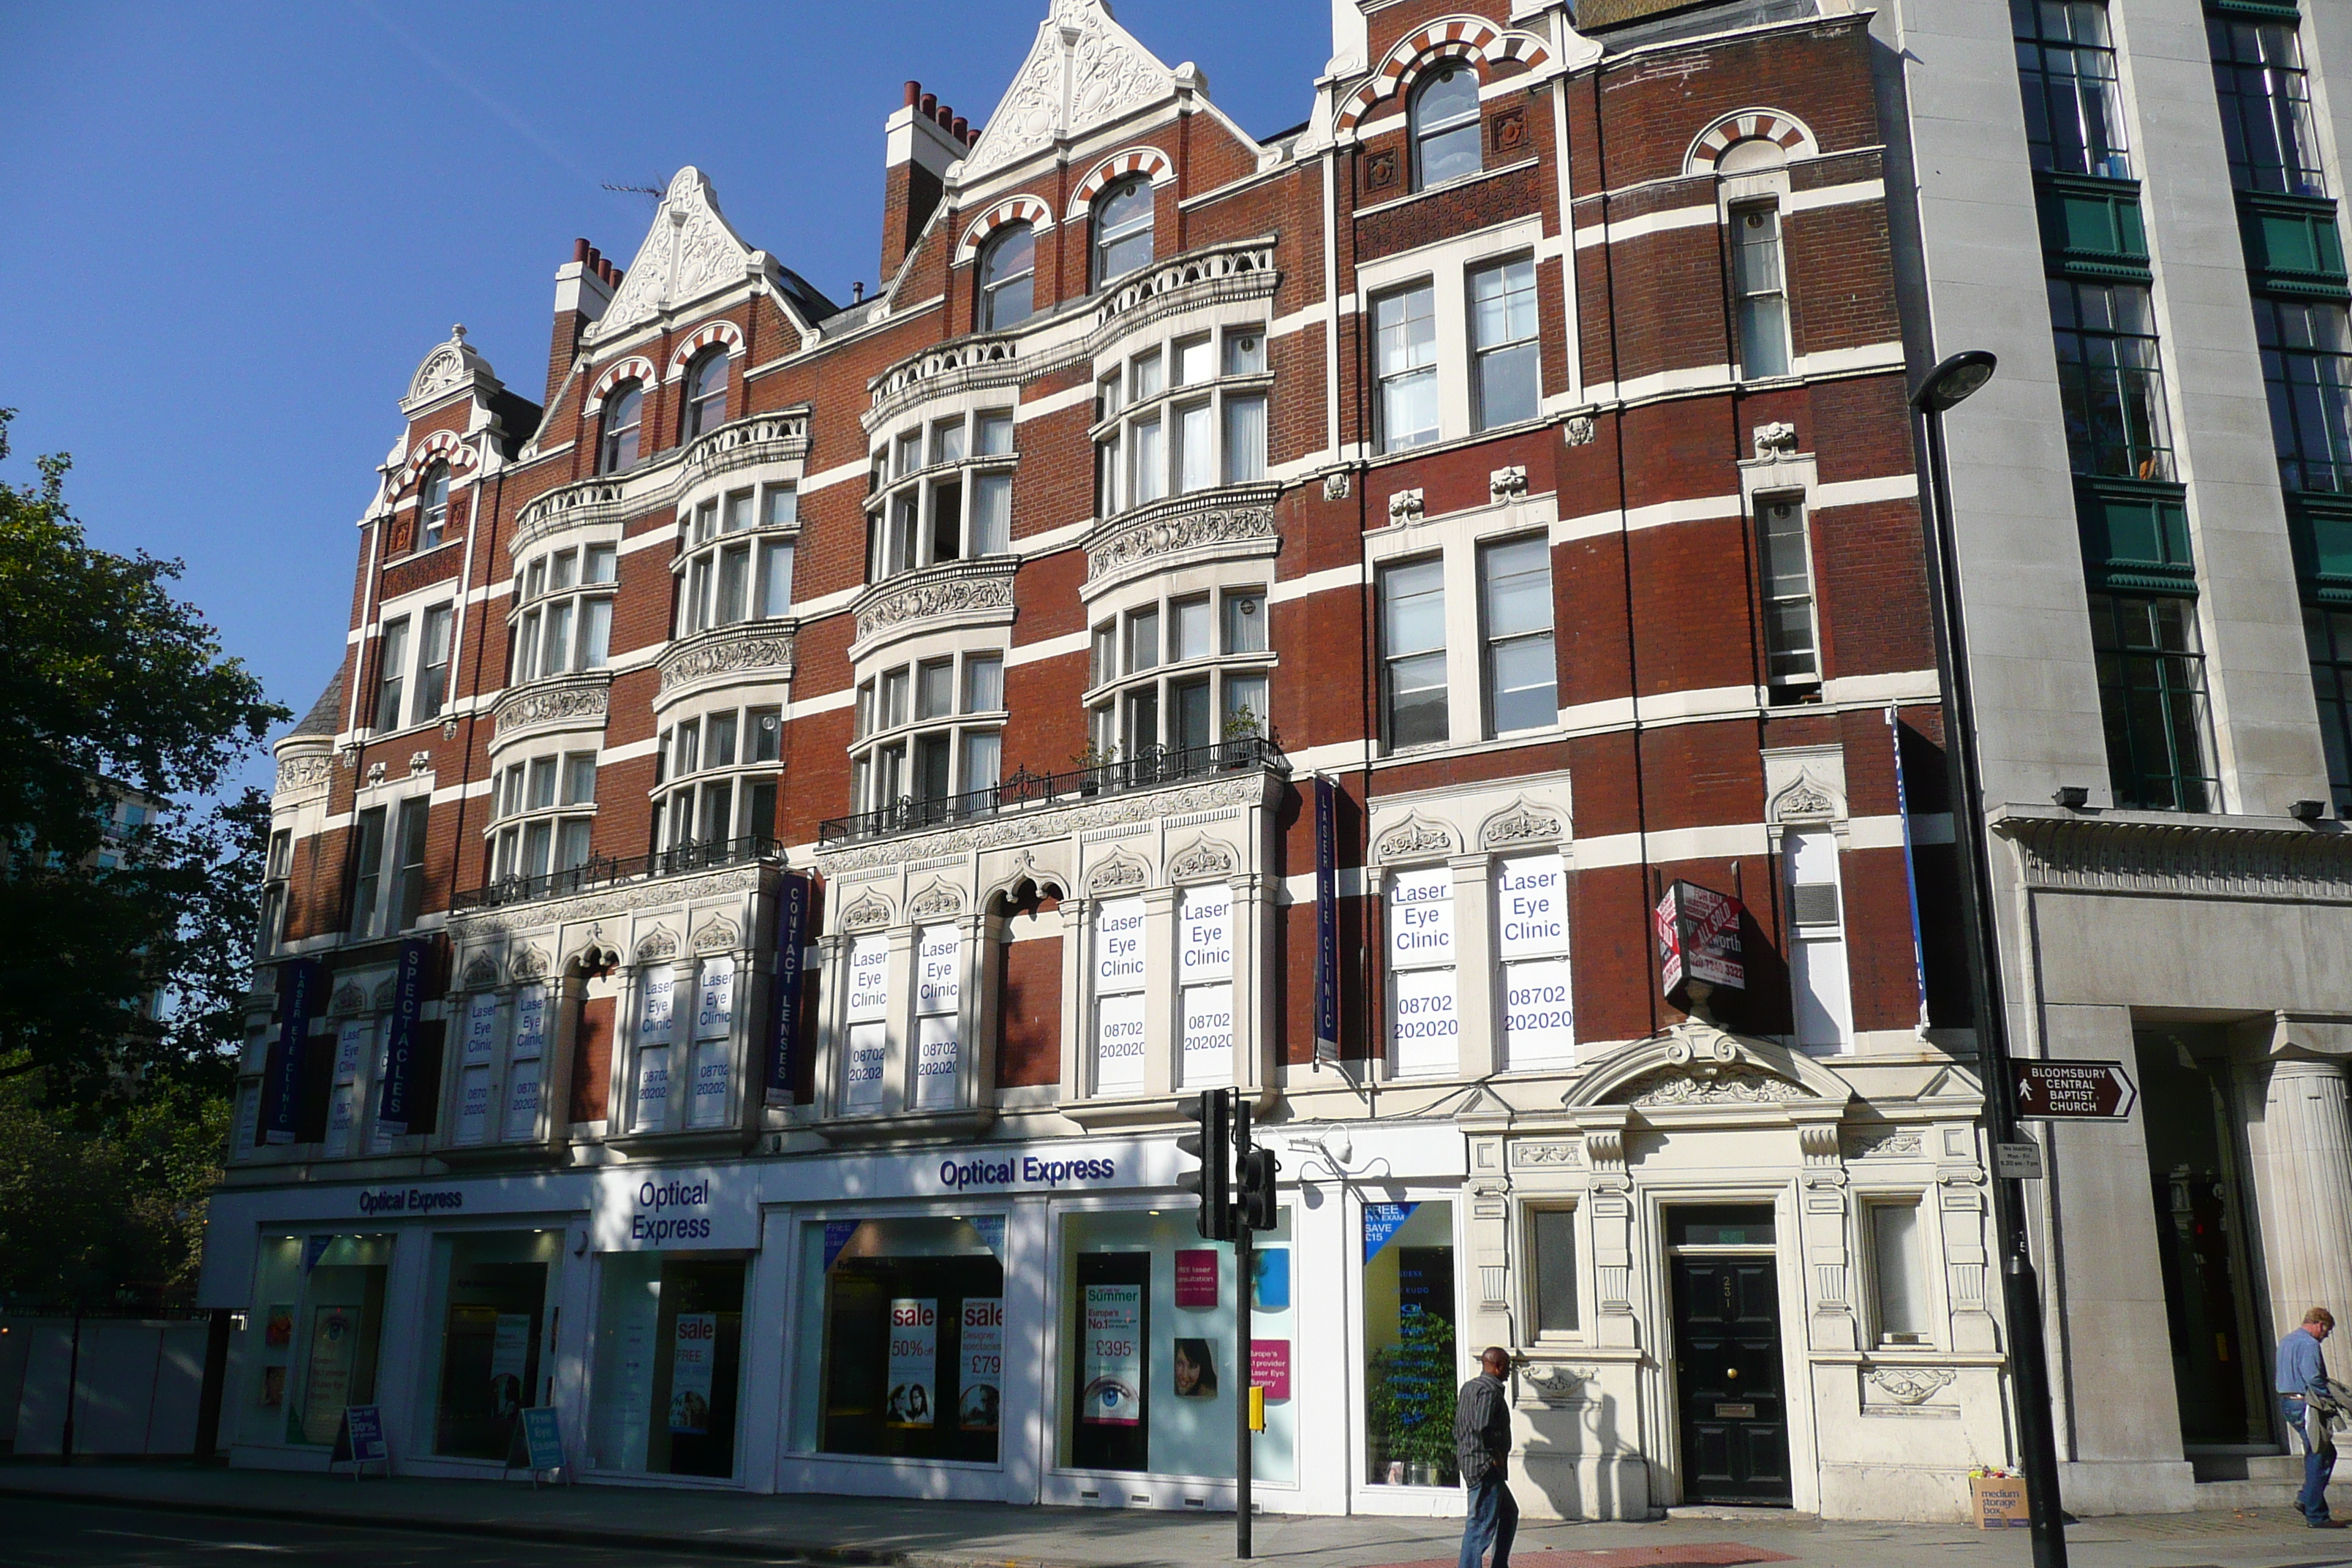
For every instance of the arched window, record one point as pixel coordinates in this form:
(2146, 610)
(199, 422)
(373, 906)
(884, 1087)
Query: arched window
(706, 394)
(1122, 229)
(432, 506)
(1445, 124)
(624, 418)
(1008, 278)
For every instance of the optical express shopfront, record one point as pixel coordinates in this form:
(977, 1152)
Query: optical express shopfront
(1003, 1321)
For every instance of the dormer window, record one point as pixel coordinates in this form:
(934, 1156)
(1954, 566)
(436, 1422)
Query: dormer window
(432, 506)
(1445, 125)
(1122, 230)
(706, 394)
(1008, 278)
(624, 418)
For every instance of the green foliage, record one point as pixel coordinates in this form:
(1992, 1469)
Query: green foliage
(111, 683)
(107, 1210)
(1412, 1394)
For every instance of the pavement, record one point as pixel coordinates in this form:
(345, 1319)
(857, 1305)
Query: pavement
(670, 1524)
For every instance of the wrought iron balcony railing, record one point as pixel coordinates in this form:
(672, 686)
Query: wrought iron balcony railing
(1025, 789)
(608, 871)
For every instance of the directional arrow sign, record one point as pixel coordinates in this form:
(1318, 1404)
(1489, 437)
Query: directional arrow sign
(2073, 1091)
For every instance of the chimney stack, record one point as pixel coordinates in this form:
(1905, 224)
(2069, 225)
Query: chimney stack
(920, 139)
(583, 287)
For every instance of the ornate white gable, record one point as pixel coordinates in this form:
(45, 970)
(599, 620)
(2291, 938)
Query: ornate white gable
(1084, 71)
(450, 367)
(690, 251)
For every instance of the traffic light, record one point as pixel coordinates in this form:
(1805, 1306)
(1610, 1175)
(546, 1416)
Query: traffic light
(1213, 1145)
(1259, 1168)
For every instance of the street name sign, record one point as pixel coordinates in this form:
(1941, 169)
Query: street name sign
(2073, 1091)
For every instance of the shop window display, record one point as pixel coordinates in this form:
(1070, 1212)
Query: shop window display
(910, 1360)
(1412, 1365)
(669, 1355)
(1150, 1362)
(318, 1315)
(494, 1292)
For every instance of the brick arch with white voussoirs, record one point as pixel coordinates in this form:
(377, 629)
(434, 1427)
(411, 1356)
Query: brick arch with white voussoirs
(1149, 160)
(701, 338)
(441, 446)
(1031, 210)
(636, 367)
(1449, 38)
(1792, 135)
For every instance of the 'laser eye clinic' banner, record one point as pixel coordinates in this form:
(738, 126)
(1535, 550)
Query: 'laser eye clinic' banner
(299, 987)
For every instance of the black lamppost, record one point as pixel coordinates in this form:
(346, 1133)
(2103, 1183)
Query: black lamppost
(1945, 388)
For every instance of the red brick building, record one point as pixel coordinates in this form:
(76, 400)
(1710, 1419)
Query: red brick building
(1519, 445)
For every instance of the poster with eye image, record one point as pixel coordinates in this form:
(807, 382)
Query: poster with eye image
(980, 1400)
(1113, 1356)
(694, 1358)
(914, 1361)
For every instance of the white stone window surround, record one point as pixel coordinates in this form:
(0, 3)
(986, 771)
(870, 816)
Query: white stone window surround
(1219, 851)
(869, 737)
(502, 1051)
(1747, 189)
(1776, 474)
(1805, 791)
(893, 481)
(1446, 267)
(1214, 581)
(1116, 365)
(411, 606)
(702, 537)
(1526, 1268)
(749, 709)
(532, 600)
(1469, 832)
(901, 929)
(1929, 1285)
(1457, 538)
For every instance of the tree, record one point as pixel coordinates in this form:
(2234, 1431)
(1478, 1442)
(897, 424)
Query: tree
(111, 683)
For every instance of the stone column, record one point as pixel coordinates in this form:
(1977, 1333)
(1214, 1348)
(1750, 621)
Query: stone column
(2307, 1201)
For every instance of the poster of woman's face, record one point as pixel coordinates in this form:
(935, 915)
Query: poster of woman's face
(1196, 1373)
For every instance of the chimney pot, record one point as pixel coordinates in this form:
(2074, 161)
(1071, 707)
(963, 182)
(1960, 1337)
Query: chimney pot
(961, 129)
(578, 250)
(946, 117)
(930, 104)
(914, 94)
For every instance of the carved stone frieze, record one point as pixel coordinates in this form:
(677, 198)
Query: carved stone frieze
(1806, 799)
(653, 893)
(1537, 1155)
(718, 935)
(575, 699)
(1557, 1384)
(1508, 483)
(2193, 859)
(1893, 1144)
(956, 591)
(1911, 1385)
(869, 913)
(1733, 1085)
(304, 772)
(657, 945)
(1117, 874)
(749, 647)
(934, 902)
(384, 994)
(1130, 540)
(1061, 822)
(1415, 838)
(1205, 858)
(528, 964)
(1522, 823)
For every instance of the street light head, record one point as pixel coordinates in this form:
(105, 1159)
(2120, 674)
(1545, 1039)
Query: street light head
(1954, 380)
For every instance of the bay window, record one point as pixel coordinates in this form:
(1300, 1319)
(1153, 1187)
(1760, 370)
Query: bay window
(715, 782)
(738, 560)
(955, 505)
(1180, 676)
(928, 735)
(562, 620)
(541, 818)
(1182, 416)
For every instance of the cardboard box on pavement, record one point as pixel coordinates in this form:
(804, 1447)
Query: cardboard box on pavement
(2000, 1501)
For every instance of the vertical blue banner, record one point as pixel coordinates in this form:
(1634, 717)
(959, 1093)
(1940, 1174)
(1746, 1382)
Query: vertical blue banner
(1910, 871)
(299, 984)
(793, 903)
(1326, 921)
(408, 978)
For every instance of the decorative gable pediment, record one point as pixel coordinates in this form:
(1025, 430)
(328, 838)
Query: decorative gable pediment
(1084, 71)
(689, 252)
(1696, 1064)
(451, 367)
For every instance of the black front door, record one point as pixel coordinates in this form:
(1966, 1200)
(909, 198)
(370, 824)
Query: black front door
(1734, 1425)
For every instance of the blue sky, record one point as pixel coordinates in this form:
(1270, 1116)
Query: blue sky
(232, 231)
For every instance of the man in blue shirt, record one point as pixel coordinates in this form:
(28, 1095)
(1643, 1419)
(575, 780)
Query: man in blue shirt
(2303, 1397)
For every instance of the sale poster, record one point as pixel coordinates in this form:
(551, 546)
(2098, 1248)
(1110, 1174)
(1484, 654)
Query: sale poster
(1113, 1366)
(980, 1402)
(1196, 1277)
(914, 1360)
(694, 1359)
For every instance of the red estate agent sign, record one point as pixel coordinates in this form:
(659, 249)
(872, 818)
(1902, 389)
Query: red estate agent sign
(2073, 1091)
